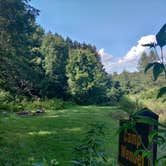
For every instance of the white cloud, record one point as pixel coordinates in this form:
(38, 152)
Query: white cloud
(150, 39)
(133, 55)
(135, 52)
(106, 58)
(130, 60)
(101, 52)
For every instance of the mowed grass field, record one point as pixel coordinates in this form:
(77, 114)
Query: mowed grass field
(53, 135)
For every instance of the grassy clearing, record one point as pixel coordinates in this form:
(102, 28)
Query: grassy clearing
(54, 135)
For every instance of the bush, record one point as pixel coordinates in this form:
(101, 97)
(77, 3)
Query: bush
(52, 104)
(15, 106)
(114, 94)
(130, 105)
(9, 107)
(91, 151)
(5, 96)
(149, 94)
(6, 102)
(158, 107)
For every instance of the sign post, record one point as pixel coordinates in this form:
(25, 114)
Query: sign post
(131, 141)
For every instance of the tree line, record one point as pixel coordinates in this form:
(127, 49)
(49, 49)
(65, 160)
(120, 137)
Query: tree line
(136, 82)
(36, 64)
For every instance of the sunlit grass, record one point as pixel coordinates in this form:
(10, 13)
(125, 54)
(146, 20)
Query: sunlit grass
(54, 134)
(42, 133)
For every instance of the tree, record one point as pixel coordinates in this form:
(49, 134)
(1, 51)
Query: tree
(17, 18)
(55, 52)
(17, 25)
(145, 59)
(86, 78)
(142, 61)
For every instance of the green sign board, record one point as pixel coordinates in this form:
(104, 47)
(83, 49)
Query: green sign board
(131, 141)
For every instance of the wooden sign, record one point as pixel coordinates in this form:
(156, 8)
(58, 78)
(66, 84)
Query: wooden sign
(131, 141)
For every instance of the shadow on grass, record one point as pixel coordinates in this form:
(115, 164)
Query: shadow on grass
(50, 136)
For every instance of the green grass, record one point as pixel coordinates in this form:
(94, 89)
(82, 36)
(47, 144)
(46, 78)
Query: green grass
(54, 135)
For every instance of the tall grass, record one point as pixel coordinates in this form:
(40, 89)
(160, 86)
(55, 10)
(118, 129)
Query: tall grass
(130, 104)
(149, 99)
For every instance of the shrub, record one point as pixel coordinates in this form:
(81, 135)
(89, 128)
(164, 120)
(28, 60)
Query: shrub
(129, 104)
(5, 96)
(91, 151)
(149, 94)
(9, 107)
(52, 104)
(158, 107)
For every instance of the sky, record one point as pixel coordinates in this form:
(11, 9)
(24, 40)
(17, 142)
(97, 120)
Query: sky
(113, 26)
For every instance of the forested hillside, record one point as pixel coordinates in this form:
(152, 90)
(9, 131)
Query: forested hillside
(136, 82)
(58, 105)
(35, 64)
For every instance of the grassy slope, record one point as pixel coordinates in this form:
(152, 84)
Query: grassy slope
(52, 135)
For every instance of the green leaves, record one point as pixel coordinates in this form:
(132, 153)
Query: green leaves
(161, 92)
(158, 68)
(126, 126)
(161, 36)
(91, 152)
(159, 159)
(17, 25)
(144, 153)
(154, 137)
(87, 81)
(149, 65)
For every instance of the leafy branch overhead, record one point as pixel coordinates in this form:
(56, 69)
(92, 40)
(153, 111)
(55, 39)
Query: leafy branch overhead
(162, 91)
(161, 36)
(158, 67)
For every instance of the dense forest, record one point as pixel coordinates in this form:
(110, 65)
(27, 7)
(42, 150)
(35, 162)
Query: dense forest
(64, 81)
(35, 64)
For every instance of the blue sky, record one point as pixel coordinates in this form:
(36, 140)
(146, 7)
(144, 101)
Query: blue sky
(113, 26)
